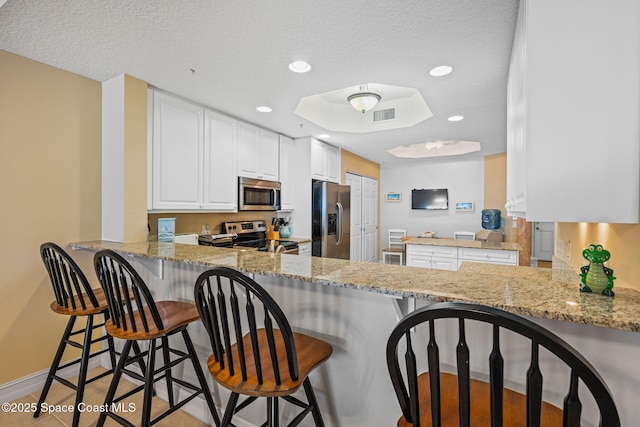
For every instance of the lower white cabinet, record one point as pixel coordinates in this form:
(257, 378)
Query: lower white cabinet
(439, 257)
(450, 258)
(489, 256)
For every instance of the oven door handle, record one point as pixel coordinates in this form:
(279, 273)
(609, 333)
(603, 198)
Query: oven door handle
(339, 225)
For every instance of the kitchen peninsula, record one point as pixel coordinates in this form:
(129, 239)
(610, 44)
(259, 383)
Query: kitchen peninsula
(355, 305)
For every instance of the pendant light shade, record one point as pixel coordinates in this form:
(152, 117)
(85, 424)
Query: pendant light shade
(364, 100)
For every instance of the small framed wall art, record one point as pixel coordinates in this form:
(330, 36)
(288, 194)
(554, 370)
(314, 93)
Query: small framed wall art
(394, 197)
(464, 206)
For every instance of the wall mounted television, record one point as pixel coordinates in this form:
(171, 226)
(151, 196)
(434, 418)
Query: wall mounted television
(436, 199)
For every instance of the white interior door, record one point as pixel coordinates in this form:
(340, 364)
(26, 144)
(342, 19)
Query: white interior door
(369, 219)
(355, 181)
(543, 240)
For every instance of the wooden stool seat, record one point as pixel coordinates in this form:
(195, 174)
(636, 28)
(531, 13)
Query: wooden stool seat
(75, 308)
(311, 353)
(174, 314)
(514, 416)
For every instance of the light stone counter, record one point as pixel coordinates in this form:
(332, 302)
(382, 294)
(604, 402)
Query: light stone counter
(543, 293)
(507, 246)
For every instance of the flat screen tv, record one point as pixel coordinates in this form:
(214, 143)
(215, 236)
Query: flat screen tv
(437, 199)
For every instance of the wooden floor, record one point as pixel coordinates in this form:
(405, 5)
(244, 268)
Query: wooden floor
(94, 395)
(544, 264)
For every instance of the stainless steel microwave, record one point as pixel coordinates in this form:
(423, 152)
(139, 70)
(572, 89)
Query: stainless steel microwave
(258, 195)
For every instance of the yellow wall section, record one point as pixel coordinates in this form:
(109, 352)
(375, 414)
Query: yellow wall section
(50, 151)
(622, 240)
(353, 163)
(135, 159)
(495, 189)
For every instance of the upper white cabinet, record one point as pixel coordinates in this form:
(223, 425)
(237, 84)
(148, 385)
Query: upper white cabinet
(258, 152)
(325, 161)
(287, 172)
(573, 152)
(177, 151)
(193, 157)
(220, 180)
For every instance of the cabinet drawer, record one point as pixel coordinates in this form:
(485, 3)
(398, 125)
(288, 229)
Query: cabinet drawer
(494, 256)
(441, 251)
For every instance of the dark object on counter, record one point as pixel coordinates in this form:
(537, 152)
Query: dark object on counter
(74, 297)
(151, 321)
(491, 219)
(271, 361)
(440, 392)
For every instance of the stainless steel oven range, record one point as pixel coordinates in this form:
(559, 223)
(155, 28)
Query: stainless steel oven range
(246, 234)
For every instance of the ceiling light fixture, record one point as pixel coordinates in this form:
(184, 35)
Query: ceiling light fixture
(264, 109)
(455, 118)
(324, 136)
(441, 70)
(299, 67)
(364, 100)
(431, 145)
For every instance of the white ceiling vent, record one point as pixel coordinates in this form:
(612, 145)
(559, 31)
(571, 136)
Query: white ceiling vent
(384, 115)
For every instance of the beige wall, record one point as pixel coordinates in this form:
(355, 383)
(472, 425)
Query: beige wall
(50, 137)
(495, 189)
(622, 240)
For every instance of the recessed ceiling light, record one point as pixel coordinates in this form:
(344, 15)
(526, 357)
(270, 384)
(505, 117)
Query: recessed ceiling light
(455, 118)
(441, 70)
(264, 109)
(299, 67)
(324, 136)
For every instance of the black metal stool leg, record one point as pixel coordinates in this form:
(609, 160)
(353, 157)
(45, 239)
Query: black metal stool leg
(231, 407)
(148, 385)
(167, 360)
(200, 374)
(311, 398)
(108, 400)
(55, 364)
(84, 365)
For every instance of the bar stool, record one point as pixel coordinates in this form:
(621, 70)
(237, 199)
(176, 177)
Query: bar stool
(134, 316)
(456, 399)
(264, 361)
(74, 297)
(396, 245)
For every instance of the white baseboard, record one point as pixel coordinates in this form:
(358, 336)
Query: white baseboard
(22, 386)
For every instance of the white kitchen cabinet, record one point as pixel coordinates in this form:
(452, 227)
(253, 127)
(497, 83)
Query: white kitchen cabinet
(177, 150)
(489, 256)
(220, 180)
(287, 173)
(258, 152)
(574, 112)
(325, 161)
(438, 257)
(193, 157)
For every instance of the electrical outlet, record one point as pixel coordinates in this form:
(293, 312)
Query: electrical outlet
(567, 250)
(560, 248)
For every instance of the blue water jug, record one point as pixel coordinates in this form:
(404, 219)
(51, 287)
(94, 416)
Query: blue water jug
(491, 219)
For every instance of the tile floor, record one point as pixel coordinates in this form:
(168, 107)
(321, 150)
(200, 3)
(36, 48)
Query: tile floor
(94, 395)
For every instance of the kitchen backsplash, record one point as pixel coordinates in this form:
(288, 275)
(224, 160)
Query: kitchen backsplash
(193, 222)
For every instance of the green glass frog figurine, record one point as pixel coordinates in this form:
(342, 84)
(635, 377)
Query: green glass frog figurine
(596, 277)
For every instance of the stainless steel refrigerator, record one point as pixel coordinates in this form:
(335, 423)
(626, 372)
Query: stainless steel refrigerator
(331, 220)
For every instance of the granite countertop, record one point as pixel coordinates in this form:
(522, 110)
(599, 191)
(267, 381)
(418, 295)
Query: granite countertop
(538, 292)
(507, 246)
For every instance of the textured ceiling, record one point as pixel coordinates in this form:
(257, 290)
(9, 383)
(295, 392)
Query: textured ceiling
(240, 51)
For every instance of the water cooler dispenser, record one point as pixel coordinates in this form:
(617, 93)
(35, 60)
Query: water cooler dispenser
(491, 219)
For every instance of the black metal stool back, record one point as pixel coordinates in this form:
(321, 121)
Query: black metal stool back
(407, 391)
(217, 294)
(70, 286)
(127, 294)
